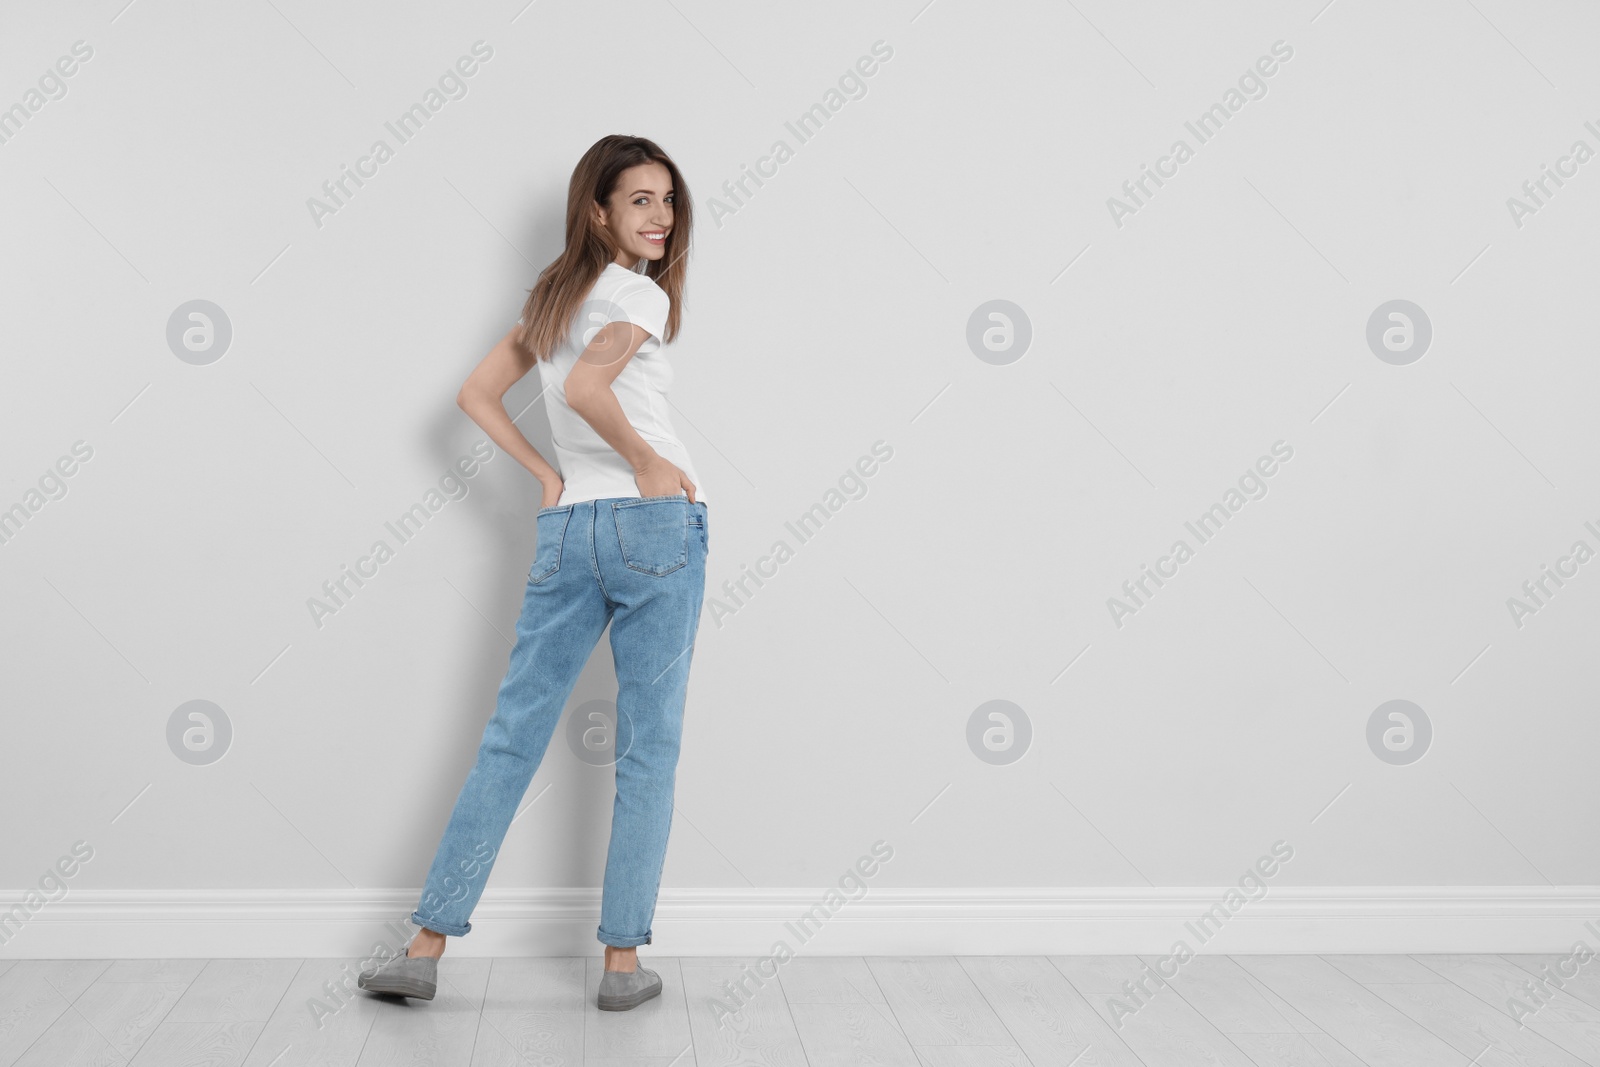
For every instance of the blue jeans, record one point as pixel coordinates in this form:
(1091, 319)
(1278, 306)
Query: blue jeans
(638, 563)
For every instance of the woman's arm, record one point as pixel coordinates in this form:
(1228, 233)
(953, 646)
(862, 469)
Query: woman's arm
(588, 389)
(482, 397)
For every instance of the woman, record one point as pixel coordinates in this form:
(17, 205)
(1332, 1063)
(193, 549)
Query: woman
(621, 539)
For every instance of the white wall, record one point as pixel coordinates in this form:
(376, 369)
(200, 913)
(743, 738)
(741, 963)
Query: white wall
(1169, 350)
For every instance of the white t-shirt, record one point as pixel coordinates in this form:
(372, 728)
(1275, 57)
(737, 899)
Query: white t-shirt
(590, 468)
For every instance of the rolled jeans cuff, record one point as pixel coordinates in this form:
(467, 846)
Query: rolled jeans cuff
(621, 942)
(449, 929)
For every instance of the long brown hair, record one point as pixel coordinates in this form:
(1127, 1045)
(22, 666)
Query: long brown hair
(563, 285)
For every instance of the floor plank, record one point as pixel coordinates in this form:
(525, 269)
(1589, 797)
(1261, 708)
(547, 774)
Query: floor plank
(532, 1014)
(551, 985)
(1560, 1018)
(322, 1019)
(127, 1013)
(936, 1002)
(233, 991)
(755, 1030)
(821, 1011)
(1285, 1050)
(1503, 985)
(184, 971)
(522, 1038)
(1473, 1027)
(1221, 991)
(1165, 1030)
(71, 1041)
(657, 1028)
(972, 1056)
(1099, 974)
(29, 1005)
(1584, 985)
(68, 977)
(1297, 1022)
(1374, 1030)
(829, 980)
(851, 1035)
(1388, 970)
(441, 1032)
(208, 1044)
(1046, 1017)
(1332, 1050)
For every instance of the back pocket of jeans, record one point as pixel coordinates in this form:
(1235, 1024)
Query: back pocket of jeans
(653, 533)
(552, 527)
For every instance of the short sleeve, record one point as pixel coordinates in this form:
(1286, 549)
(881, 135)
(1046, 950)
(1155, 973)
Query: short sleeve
(647, 306)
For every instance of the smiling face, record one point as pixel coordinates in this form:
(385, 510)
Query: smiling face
(639, 216)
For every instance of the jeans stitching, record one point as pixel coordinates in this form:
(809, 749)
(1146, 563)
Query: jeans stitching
(623, 546)
(594, 552)
(560, 546)
(649, 500)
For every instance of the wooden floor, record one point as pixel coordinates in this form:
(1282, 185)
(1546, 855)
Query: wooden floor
(925, 1011)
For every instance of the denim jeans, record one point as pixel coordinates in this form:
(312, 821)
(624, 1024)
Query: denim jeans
(639, 564)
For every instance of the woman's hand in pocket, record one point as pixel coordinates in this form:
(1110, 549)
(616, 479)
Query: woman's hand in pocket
(661, 477)
(551, 495)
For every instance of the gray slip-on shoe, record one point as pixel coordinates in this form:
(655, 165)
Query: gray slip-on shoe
(402, 976)
(621, 990)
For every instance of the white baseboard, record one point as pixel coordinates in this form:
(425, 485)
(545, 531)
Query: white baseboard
(747, 922)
